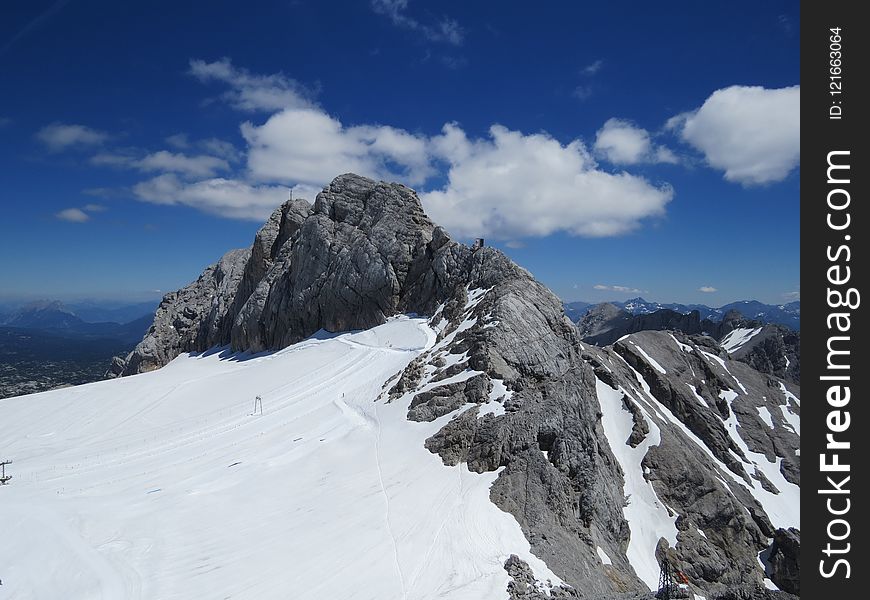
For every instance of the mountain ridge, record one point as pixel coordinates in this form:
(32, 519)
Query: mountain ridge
(787, 314)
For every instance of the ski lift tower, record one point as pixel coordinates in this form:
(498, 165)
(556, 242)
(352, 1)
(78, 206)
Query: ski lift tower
(666, 582)
(673, 583)
(4, 478)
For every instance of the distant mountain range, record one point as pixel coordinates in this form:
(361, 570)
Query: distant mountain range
(46, 344)
(782, 314)
(54, 317)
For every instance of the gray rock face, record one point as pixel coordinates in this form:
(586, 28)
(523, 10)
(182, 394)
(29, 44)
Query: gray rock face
(560, 479)
(784, 558)
(520, 384)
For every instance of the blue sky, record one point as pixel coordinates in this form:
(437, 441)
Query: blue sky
(613, 149)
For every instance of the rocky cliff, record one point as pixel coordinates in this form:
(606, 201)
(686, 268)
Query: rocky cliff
(528, 398)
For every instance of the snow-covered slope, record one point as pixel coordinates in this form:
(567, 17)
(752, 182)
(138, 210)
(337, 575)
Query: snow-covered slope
(165, 485)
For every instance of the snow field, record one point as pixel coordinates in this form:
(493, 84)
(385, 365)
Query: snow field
(164, 485)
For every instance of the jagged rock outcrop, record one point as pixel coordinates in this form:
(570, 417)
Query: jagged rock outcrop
(116, 368)
(192, 318)
(520, 385)
(524, 586)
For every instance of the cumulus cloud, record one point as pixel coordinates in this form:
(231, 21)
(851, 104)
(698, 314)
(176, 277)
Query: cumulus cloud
(249, 92)
(511, 185)
(622, 289)
(224, 197)
(506, 185)
(73, 215)
(707, 289)
(622, 143)
(444, 30)
(309, 146)
(94, 207)
(60, 136)
(750, 133)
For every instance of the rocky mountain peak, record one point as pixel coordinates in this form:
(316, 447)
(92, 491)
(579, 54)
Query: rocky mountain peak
(364, 251)
(365, 203)
(593, 446)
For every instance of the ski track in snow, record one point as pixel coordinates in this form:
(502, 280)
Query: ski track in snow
(165, 485)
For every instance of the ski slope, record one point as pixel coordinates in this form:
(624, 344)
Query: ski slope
(165, 485)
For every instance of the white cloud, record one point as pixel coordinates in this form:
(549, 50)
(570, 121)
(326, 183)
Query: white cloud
(592, 68)
(190, 166)
(166, 162)
(751, 133)
(309, 146)
(506, 185)
(73, 215)
(707, 289)
(223, 197)
(622, 143)
(445, 30)
(93, 208)
(512, 185)
(792, 296)
(250, 92)
(622, 289)
(61, 136)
